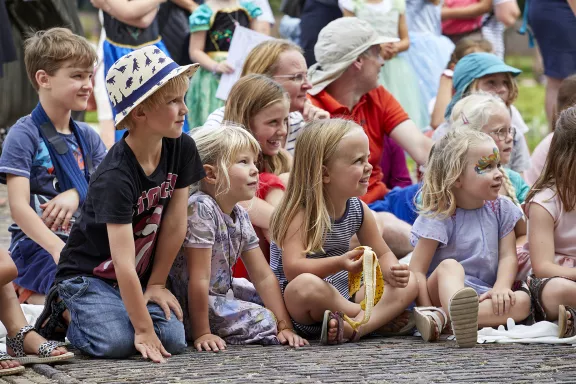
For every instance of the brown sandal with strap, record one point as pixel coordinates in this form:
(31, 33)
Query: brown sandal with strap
(566, 314)
(44, 356)
(9, 371)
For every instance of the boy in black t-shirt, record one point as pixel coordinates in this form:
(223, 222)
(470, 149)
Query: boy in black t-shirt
(112, 272)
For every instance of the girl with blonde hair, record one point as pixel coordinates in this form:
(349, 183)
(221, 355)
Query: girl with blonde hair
(282, 61)
(465, 257)
(311, 231)
(261, 106)
(218, 308)
(487, 113)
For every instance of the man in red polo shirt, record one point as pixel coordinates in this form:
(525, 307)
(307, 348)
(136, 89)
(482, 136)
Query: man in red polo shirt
(345, 83)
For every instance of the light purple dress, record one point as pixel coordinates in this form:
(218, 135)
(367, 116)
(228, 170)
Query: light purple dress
(471, 237)
(241, 319)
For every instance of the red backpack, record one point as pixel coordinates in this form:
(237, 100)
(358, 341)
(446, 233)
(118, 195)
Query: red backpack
(459, 26)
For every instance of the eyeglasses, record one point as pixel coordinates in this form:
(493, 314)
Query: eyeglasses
(504, 132)
(297, 77)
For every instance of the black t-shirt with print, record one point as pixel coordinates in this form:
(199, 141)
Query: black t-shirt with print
(121, 193)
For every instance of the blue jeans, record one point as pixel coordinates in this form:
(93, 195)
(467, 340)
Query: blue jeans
(315, 16)
(100, 325)
(399, 202)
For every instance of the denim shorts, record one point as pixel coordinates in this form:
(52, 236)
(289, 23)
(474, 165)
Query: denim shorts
(100, 325)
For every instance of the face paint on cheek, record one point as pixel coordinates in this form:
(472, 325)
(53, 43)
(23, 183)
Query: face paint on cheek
(482, 165)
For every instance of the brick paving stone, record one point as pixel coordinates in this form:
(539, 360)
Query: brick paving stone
(396, 360)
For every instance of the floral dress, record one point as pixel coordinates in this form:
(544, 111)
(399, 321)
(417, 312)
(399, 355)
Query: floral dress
(219, 26)
(238, 319)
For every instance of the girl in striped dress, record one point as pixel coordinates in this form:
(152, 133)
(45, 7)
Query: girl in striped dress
(311, 232)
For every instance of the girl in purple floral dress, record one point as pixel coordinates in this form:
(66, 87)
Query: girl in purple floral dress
(218, 308)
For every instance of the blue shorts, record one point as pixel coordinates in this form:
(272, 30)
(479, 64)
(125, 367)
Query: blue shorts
(399, 202)
(36, 266)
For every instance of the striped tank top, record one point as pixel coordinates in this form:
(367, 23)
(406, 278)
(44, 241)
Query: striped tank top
(337, 242)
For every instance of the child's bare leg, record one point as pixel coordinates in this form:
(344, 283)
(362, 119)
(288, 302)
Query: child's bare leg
(8, 270)
(558, 291)
(307, 297)
(393, 302)
(518, 312)
(12, 317)
(444, 282)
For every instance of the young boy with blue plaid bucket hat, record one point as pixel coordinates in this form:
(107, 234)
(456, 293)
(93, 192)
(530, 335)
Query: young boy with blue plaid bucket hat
(112, 272)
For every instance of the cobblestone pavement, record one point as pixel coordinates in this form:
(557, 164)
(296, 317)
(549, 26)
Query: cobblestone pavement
(391, 360)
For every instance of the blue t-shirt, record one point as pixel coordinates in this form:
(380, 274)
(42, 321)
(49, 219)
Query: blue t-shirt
(25, 154)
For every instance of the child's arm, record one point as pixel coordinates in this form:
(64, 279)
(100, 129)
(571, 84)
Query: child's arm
(36, 228)
(197, 54)
(170, 239)
(541, 240)
(260, 212)
(442, 100)
(393, 272)
(268, 288)
(123, 254)
(468, 12)
(199, 269)
(189, 5)
(137, 13)
(419, 265)
(296, 263)
(404, 43)
(260, 26)
(501, 294)
(507, 12)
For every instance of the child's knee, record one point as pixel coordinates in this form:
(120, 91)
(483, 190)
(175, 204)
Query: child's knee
(450, 266)
(172, 336)
(559, 290)
(109, 345)
(8, 271)
(523, 305)
(305, 286)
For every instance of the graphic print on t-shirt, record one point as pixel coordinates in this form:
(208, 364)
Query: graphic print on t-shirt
(146, 223)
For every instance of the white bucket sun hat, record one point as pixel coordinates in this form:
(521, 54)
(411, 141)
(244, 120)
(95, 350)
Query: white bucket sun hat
(339, 45)
(137, 75)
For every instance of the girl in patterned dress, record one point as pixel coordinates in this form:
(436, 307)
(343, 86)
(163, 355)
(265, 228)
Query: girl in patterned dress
(218, 308)
(212, 25)
(464, 241)
(311, 232)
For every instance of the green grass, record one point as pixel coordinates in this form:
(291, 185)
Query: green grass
(91, 117)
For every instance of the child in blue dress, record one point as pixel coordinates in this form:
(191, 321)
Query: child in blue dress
(465, 247)
(212, 26)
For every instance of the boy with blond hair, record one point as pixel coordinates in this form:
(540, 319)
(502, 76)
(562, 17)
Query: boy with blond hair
(48, 158)
(113, 270)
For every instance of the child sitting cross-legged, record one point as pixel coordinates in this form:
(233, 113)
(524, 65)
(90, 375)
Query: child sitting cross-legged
(112, 272)
(218, 308)
(311, 232)
(464, 241)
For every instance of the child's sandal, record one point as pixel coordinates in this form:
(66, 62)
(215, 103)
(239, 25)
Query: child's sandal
(51, 324)
(45, 350)
(463, 312)
(566, 314)
(9, 371)
(429, 323)
(339, 317)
